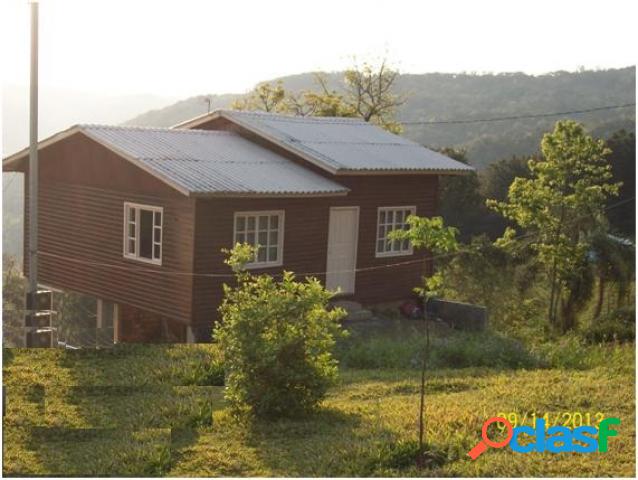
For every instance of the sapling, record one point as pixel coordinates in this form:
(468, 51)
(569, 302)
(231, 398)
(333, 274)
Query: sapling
(438, 239)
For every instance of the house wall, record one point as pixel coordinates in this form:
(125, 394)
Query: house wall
(306, 238)
(82, 188)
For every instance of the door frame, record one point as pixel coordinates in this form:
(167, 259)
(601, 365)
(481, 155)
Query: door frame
(356, 245)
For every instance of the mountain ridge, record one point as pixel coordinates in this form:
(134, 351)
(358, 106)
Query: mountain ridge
(433, 97)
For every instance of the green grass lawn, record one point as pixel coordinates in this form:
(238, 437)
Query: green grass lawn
(150, 410)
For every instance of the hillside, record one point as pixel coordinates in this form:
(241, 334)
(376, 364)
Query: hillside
(441, 97)
(429, 97)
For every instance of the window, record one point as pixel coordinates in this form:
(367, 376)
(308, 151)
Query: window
(143, 232)
(265, 231)
(392, 218)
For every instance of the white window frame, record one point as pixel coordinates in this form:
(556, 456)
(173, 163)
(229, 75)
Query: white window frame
(280, 235)
(400, 253)
(137, 207)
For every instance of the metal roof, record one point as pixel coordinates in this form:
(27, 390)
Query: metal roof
(204, 162)
(342, 145)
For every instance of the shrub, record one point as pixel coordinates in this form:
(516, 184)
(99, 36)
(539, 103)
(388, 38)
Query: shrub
(276, 338)
(618, 325)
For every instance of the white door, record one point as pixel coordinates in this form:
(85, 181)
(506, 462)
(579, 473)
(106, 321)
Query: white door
(342, 248)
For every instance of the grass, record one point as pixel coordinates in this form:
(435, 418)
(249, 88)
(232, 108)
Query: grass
(149, 410)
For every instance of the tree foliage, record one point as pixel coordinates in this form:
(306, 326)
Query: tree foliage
(277, 339)
(622, 217)
(367, 93)
(560, 205)
(267, 97)
(461, 203)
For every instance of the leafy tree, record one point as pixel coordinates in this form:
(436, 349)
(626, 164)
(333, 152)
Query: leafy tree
(622, 217)
(277, 339)
(433, 235)
(265, 96)
(367, 93)
(498, 176)
(562, 204)
(613, 263)
(461, 203)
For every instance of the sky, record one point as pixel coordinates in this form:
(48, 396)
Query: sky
(182, 48)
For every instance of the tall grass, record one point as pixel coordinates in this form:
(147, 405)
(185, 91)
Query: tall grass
(401, 347)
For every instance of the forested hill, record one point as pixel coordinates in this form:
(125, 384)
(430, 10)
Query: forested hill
(442, 97)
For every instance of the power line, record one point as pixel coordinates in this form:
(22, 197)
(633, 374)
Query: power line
(517, 117)
(303, 274)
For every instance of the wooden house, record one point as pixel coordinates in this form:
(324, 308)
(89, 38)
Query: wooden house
(137, 217)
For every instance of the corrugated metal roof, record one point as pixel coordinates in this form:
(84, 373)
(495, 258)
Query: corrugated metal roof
(346, 144)
(212, 162)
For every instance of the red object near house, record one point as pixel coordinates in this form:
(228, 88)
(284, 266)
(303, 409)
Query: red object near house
(137, 217)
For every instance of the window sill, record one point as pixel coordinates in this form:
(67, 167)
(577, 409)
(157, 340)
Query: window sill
(393, 254)
(143, 260)
(264, 265)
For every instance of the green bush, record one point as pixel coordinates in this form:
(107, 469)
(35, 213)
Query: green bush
(619, 325)
(276, 338)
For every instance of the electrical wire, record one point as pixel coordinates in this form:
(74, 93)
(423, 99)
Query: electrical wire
(516, 117)
(304, 274)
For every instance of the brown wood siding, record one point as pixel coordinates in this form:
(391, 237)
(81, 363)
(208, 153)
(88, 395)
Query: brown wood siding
(306, 238)
(83, 187)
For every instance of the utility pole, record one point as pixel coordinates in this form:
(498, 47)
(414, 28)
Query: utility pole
(38, 328)
(33, 154)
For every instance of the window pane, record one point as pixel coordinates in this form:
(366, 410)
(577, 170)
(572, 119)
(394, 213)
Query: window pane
(240, 238)
(381, 233)
(262, 239)
(380, 246)
(274, 222)
(389, 217)
(399, 217)
(272, 254)
(146, 233)
(131, 214)
(263, 223)
(405, 246)
(131, 247)
(274, 238)
(241, 224)
(158, 235)
(131, 230)
(251, 223)
(158, 219)
(157, 252)
(261, 254)
(250, 238)
(382, 216)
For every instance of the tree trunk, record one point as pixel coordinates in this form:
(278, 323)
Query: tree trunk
(424, 360)
(552, 296)
(555, 296)
(601, 297)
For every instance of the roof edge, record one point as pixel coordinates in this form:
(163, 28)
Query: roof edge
(212, 195)
(59, 136)
(404, 171)
(198, 120)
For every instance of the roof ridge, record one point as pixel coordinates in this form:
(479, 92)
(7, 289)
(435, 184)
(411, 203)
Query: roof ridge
(142, 128)
(295, 118)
